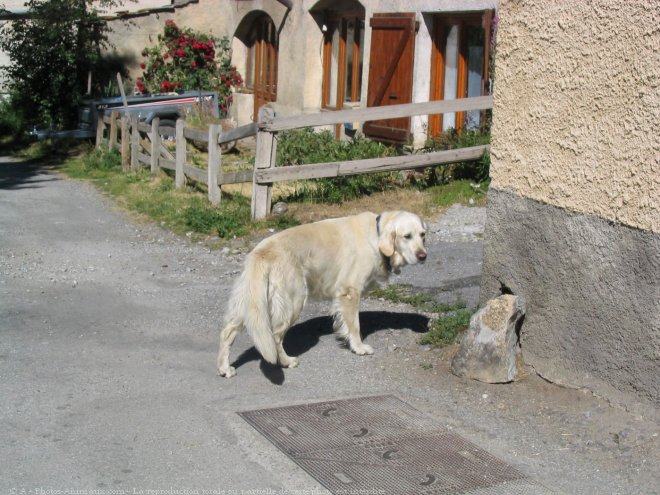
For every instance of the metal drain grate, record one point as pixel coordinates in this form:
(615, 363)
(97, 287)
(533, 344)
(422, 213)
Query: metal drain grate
(383, 445)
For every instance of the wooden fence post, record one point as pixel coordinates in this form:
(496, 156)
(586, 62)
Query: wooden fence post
(214, 165)
(179, 177)
(112, 140)
(100, 128)
(155, 144)
(125, 143)
(264, 158)
(135, 142)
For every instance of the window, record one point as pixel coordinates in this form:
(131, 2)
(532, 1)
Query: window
(342, 59)
(459, 66)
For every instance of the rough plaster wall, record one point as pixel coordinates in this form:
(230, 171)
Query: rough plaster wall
(591, 291)
(129, 36)
(576, 121)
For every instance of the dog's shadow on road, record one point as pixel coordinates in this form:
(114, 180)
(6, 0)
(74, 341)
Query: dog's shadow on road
(305, 335)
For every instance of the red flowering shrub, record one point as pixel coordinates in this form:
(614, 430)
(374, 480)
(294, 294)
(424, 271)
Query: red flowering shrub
(185, 60)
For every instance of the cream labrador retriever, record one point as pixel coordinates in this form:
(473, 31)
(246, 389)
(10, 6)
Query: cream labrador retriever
(335, 260)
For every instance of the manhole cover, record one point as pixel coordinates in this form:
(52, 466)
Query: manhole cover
(382, 445)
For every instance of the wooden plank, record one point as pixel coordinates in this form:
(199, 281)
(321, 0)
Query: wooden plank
(179, 178)
(377, 113)
(142, 127)
(143, 158)
(135, 142)
(145, 143)
(236, 177)
(356, 167)
(125, 144)
(195, 173)
(100, 128)
(155, 145)
(166, 153)
(214, 164)
(201, 175)
(196, 134)
(112, 140)
(167, 164)
(264, 159)
(238, 133)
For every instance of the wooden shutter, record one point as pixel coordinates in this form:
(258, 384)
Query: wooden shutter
(391, 72)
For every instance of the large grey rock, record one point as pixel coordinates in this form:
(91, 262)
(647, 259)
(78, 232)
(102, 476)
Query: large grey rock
(490, 351)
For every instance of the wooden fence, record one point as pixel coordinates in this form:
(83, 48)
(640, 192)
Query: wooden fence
(141, 146)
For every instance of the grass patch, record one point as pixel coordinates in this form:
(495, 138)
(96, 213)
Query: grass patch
(452, 319)
(445, 329)
(403, 294)
(155, 197)
(463, 191)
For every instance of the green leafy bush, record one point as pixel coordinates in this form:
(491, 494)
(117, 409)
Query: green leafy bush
(477, 170)
(12, 120)
(305, 146)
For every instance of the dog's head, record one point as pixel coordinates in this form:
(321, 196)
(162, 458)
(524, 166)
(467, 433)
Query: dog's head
(401, 238)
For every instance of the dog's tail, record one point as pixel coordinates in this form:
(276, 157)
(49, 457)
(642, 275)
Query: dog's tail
(250, 304)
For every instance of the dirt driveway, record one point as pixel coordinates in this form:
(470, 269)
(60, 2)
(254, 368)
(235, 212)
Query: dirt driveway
(108, 336)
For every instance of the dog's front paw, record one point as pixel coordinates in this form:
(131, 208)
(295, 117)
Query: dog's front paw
(227, 372)
(363, 349)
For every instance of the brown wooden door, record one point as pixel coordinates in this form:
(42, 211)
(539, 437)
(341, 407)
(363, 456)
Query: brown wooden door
(262, 61)
(391, 72)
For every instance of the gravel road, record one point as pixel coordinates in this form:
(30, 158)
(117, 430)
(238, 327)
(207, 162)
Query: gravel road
(108, 333)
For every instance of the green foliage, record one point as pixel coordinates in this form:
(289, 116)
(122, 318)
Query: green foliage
(460, 191)
(230, 219)
(12, 119)
(51, 53)
(306, 146)
(477, 170)
(184, 59)
(233, 218)
(403, 294)
(301, 146)
(445, 329)
(94, 163)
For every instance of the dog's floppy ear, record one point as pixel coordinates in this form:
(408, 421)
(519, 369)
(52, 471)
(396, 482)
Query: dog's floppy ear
(387, 238)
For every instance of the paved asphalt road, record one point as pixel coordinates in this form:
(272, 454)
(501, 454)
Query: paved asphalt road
(108, 335)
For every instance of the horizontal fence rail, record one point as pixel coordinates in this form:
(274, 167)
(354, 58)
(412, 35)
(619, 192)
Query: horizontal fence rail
(371, 165)
(377, 113)
(141, 145)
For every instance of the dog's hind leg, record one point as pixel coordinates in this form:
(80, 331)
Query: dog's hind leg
(286, 305)
(227, 337)
(282, 357)
(345, 309)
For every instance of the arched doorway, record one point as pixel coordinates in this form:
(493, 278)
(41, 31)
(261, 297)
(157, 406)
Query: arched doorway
(261, 65)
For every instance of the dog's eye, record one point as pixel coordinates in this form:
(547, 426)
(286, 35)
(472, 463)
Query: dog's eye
(408, 236)
(423, 235)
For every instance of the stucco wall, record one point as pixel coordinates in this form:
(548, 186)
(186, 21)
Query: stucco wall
(300, 53)
(573, 216)
(577, 106)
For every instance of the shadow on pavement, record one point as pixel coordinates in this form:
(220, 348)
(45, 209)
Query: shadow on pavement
(18, 174)
(305, 335)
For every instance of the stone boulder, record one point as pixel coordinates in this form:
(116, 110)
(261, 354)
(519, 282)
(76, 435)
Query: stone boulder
(490, 350)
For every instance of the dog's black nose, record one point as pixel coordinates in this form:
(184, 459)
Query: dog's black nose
(421, 256)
